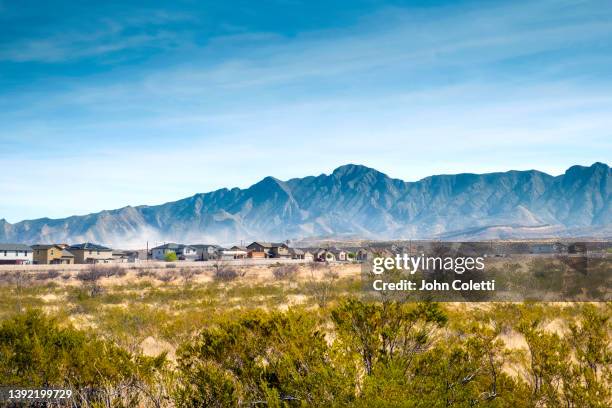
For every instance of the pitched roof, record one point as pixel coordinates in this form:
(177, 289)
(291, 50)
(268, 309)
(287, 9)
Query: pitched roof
(89, 246)
(45, 246)
(14, 247)
(268, 244)
(204, 246)
(67, 254)
(172, 245)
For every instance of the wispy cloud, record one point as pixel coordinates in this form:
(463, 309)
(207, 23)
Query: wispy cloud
(105, 36)
(411, 92)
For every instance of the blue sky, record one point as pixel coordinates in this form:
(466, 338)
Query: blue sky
(122, 103)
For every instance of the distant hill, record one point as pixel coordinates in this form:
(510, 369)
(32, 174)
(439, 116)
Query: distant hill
(355, 201)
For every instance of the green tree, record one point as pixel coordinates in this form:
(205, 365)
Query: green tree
(170, 256)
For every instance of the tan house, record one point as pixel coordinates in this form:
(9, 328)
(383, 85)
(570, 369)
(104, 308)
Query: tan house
(51, 255)
(88, 253)
(270, 250)
(297, 253)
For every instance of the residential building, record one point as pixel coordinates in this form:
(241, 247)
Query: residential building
(297, 253)
(126, 256)
(52, 254)
(340, 254)
(15, 254)
(183, 252)
(325, 255)
(205, 252)
(88, 253)
(270, 249)
(234, 252)
(363, 255)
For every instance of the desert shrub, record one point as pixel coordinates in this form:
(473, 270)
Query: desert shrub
(227, 274)
(166, 276)
(115, 270)
(143, 273)
(322, 284)
(50, 274)
(262, 358)
(90, 278)
(187, 274)
(285, 272)
(35, 351)
(91, 274)
(224, 272)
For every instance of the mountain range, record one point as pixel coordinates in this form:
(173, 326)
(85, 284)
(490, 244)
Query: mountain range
(355, 201)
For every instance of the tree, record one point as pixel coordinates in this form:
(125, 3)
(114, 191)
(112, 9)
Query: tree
(170, 256)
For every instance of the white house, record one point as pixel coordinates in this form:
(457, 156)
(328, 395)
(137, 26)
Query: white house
(15, 254)
(183, 252)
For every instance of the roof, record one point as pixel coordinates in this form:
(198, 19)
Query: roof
(296, 251)
(268, 244)
(14, 247)
(45, 246)
(89, 246)
(204, 246)
(172, 245)
(67, 254)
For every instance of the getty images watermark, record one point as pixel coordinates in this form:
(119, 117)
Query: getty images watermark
(413, 264)
(490, 271)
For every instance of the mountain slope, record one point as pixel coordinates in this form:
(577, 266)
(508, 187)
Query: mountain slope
(355, 201)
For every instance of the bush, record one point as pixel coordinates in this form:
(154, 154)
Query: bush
(263, 359)
(35, 351)
(166, 276)
(144, 273)
(285, 272)
(92, 274)
(50, 274)
(227, 274)
(223, 272)
(170, 257)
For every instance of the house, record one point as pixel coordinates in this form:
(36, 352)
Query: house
(234, 252)
(205, 252)
(125, 256)
(15, 254)
(363, 255)
(255, 254)
(280, 250)
(240, 252)
(270, 250)
(183, 252)
(52, 254)
(325, 255)
(297, 253)
(88, 253)
(340, 254)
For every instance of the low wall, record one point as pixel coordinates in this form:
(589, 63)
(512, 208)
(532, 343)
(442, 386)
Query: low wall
(152, 264)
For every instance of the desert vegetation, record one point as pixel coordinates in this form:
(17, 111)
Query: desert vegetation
(276, 336)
